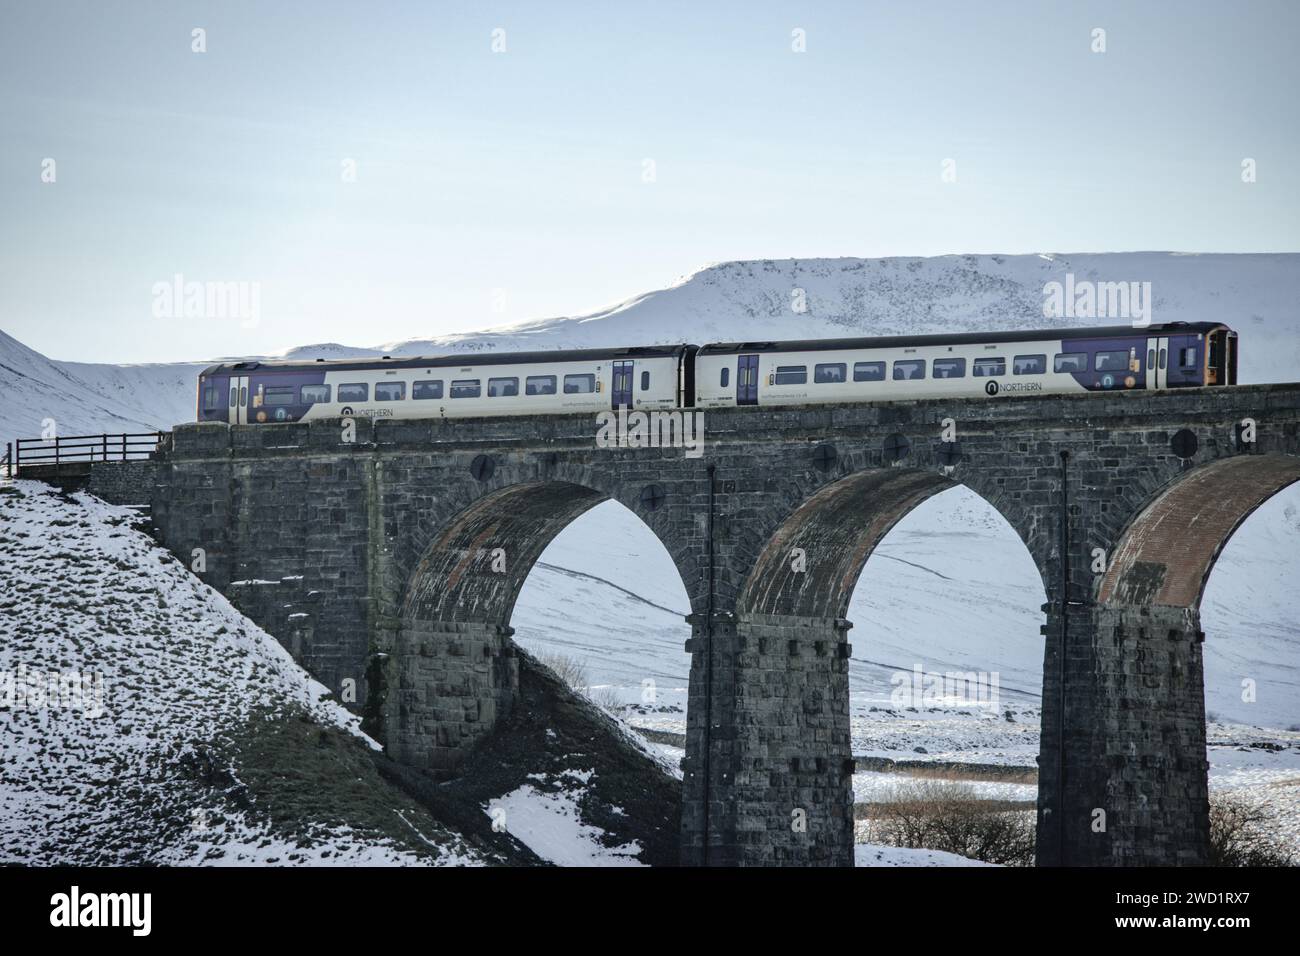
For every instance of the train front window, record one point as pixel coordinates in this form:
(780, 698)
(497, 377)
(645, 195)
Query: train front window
(1116, 361)
(579, 384)
(539, 385)
(909, 370)
(424, 391)
(390, 391)
(1070, 362)
(987, 367)
(503, 387)
(1029, 364)
(356, 392)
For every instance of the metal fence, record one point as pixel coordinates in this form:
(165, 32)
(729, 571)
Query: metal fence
(78, 449)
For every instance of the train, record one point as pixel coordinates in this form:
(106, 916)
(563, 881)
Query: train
(724, 374)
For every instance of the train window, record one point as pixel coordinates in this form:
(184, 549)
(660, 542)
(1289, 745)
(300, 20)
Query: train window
(1070, 362)
(645, 381)
(211, 398)
(390, 391)
(234, 395)
(311, 394)
(1187, 357)
(579, 384)
(354, 393)
(725, 380)
(868, 371)
(466, 388)
(1162, 357)
(1151, 358)
(280, 395)
(830, 373)
(503, 387)
(1110, 361)
(986, 367)
(912, 368)
(949, 368)
(423, 391)
(539, 385)
(791, 375)
(1029, 364)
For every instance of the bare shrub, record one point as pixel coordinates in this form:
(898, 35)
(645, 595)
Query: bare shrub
(606, 698)
(567, 669)
(933, 815)
(1238, 836)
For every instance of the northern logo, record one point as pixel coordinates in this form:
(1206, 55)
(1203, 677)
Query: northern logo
(991, 388)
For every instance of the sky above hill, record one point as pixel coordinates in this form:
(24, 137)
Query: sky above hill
(362, 173)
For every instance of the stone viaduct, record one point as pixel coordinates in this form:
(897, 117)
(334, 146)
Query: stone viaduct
(390, 565)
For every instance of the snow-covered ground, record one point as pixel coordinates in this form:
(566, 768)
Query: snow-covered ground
(869, 854)
(152, 669)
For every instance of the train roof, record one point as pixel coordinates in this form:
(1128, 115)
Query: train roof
(455, 360)
(961, 338)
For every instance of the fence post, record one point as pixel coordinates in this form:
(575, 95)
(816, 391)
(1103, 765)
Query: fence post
(56, 452)
(104, 448)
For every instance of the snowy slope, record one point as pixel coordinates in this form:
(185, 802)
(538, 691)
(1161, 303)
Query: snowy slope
(130, 757)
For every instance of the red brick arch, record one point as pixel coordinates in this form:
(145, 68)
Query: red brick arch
(1166, 554)
(837, 528)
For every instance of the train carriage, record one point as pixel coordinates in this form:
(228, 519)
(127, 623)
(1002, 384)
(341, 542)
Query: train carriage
(452, 386)
(896, 368)
(968, 365)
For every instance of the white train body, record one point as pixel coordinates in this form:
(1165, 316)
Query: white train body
(721, 375)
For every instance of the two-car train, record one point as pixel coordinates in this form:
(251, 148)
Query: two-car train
(896, 368)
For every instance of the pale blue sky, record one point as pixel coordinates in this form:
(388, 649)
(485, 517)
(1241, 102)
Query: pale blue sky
(522, 171)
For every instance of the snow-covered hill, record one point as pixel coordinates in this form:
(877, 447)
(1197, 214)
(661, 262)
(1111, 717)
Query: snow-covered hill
(1257, 294)
(138, 708)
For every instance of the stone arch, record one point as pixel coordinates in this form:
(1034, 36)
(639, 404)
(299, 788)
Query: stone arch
(453, 669)
(1131, 739)
(786, 697)
(475, 566)
(838, 526)
(1165, 555)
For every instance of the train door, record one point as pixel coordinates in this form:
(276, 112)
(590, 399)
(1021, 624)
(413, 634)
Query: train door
(621, 389)
(239, 400)
(1158, 362)
(747, 380)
